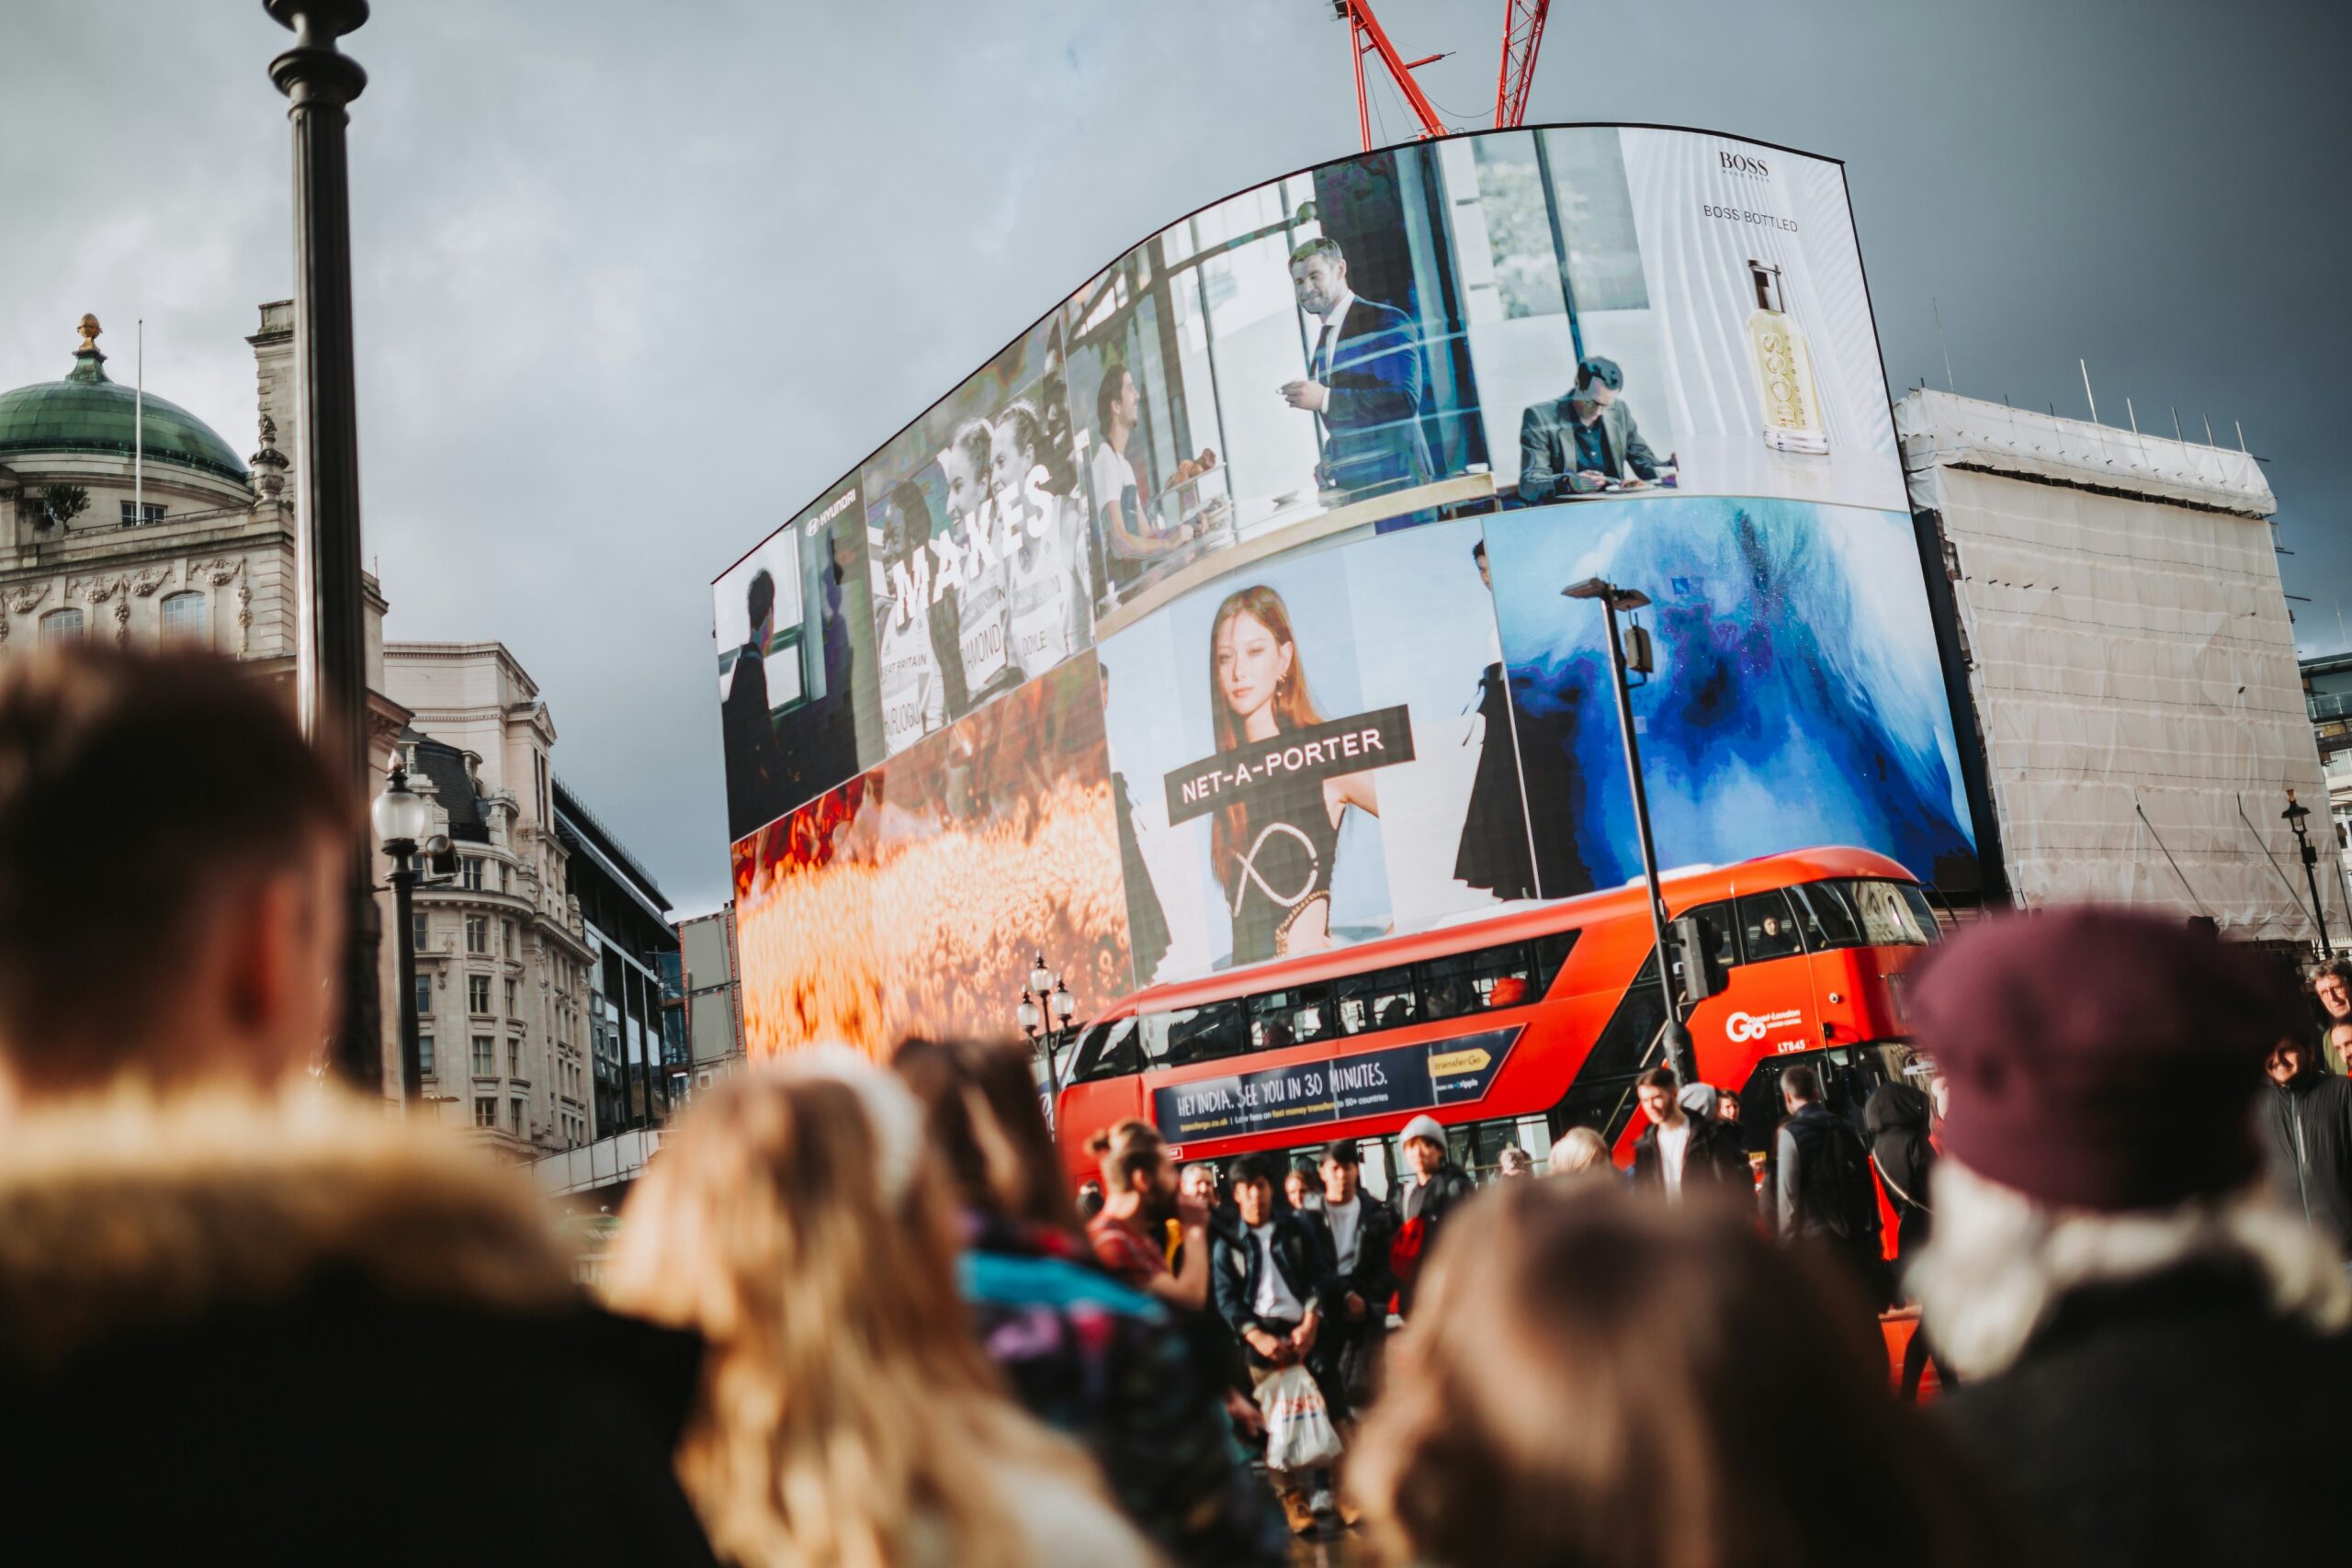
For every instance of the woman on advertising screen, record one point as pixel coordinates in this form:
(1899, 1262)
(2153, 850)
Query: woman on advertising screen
(1044, 561)
(1273, 851)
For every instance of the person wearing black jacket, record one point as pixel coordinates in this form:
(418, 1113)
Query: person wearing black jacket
(2306, 1121)
(1267, 1273)
(1823, 1188)
(1436, 1185)
(1897, 1120)
(1355, 1229)
(1680, 1153)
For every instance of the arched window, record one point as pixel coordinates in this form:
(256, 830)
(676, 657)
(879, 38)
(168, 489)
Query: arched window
(62, 625)
(186, 619)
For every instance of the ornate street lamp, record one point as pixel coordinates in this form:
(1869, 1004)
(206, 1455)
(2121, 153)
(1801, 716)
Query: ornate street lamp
(2294, 815)
(1045, 1014)
(402, 817)
(1679, 1054)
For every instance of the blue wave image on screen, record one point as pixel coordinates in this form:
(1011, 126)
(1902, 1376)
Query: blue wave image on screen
(1797, 699)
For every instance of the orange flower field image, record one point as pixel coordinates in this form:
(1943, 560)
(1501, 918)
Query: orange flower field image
(914, 900)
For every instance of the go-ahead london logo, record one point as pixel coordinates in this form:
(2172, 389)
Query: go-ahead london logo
(1747, 1026)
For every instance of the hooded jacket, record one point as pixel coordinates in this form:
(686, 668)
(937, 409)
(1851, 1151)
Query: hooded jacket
(259, 1331)
(1896, 1122)
(2306, 1126)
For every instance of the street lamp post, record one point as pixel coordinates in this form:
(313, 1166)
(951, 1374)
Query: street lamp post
(330, 655)
(1045, 1013)
(403, 818)
(2294, 815)
(1679, 1054)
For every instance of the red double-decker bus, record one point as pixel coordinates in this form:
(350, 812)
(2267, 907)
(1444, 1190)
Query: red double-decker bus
(1513, 1029)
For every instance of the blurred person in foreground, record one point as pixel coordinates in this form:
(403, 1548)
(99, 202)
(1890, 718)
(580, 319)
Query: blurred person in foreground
(237, 1304)
(1434, 1187)
(847, 1416)
(2153, 1343)
(1729, 1407)
(1102, 1363)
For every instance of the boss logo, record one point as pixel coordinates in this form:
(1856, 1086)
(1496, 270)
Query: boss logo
(1741, 163)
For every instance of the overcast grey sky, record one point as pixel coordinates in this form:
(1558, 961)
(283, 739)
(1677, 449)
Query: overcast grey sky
(634, 280)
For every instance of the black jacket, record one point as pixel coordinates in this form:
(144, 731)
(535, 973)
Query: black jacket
(1234, 1259)
(1421, 1211)
(1824, 1190)
(2306, 1135)
(297, 1322)
(2170, 1421)
(1373, 1277)
(1896, 1120)
(1715, 1158)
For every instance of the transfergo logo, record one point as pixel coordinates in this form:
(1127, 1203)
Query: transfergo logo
(1747, 1026)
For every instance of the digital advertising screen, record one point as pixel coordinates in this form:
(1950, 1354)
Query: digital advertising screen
(1218, 618)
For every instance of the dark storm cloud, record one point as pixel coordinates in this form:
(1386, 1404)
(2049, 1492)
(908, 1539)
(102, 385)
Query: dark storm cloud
(636, 281)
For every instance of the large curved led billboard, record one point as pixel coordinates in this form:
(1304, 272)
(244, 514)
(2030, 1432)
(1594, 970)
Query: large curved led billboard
(1219, 616)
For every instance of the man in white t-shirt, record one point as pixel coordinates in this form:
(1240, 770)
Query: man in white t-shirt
(1680, 1153)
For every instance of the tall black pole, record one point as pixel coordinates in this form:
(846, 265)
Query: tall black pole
(1678, 1038)
(331, 663)
(412, 1050)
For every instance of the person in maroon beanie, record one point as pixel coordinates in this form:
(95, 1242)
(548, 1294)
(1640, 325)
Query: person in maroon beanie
(2144, 1332)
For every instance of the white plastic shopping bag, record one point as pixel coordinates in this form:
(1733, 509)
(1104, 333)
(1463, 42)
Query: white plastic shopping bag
(1299, 1433)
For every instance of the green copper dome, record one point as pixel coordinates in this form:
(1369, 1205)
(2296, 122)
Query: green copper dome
(89, 411)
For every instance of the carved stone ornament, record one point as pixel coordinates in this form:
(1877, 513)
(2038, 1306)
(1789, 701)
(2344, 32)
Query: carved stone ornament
(144, 581)
(123, 621)
(219, 571)
(24, 601)
(96, 589)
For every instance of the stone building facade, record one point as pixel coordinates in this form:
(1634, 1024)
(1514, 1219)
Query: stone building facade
(125, 517)
(506, 973)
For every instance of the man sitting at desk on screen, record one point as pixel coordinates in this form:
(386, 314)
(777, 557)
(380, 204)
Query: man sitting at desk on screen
(1583, 443)
(1364, 379)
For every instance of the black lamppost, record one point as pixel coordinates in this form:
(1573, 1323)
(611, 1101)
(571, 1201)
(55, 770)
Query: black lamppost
(2294, 815)
(1678, 1054)
(331, 658)
(403, 818)
(1045, 1014)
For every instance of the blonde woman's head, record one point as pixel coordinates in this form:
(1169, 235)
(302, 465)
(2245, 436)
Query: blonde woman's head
(794, 1218)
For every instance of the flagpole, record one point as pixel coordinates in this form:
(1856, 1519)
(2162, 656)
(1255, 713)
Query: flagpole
(139, 432)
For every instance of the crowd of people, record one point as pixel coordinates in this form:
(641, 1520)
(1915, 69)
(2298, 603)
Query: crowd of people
(857, 1317)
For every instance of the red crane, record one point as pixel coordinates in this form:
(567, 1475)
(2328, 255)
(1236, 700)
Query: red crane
(1523, 36)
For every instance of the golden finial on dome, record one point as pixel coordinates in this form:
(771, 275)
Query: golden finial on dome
(90, 329)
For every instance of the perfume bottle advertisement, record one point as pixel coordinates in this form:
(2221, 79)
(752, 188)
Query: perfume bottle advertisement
(1766, 363)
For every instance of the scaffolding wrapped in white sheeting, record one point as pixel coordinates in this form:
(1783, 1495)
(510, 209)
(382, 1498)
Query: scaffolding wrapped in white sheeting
(2131, 660)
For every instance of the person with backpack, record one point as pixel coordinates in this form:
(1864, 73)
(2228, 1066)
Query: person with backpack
(1823, 1193)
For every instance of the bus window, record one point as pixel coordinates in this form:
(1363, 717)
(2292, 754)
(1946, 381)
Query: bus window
(1382, 1000)
(1107, 1050)
(1473, 982)
(1289, 1018)
(1715, 924)
(1550, 952)
(1768, 927)
(1828, 918)
(1194, 1034)
(1894, 914)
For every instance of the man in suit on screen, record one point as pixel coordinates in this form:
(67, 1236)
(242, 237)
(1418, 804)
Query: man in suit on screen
(1585, 442)
(754, 760)
(1365, 380)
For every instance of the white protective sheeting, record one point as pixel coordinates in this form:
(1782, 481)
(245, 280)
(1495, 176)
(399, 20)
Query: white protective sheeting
(2132, 663)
